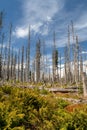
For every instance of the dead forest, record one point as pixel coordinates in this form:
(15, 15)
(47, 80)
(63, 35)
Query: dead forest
(18, 66)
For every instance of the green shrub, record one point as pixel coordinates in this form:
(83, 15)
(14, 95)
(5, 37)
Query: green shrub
(24, 109)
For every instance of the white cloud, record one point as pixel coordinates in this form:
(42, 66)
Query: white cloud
(20, 32)
(84, 52)
(36, 13)
(49, 18)
(36, 10)
(41, 16)
(82, 21)
(81, 26)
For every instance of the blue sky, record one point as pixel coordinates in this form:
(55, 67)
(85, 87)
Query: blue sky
(44, 17)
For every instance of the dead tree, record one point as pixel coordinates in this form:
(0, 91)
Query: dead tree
(9, 45)
(26, 67)
(28, 57)
(19, 65)
(0, 67)
(2, 44)
(14, 68)
(22, 65)
(43, 61)
(5, 64)
(77, 61)
(1, 19)
(55, 61)
(73, 50)
(33, 71)
(81, 68)
(12, 59)
(84, 84)
(65, 64)
(60, 68)
(69, 58)
(38, 56)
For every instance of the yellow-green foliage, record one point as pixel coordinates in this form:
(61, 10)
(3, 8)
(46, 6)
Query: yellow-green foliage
(24, 109)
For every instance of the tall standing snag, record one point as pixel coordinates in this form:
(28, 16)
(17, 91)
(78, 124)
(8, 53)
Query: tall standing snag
(22, 65)
(38, 55)
(19, 65)
(69, 58)
(1, 19)
(9, 45)
(28, 57)
(84, 84)
(55, 60)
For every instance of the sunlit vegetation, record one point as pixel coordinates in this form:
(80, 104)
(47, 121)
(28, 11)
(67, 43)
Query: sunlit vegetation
(26, 109)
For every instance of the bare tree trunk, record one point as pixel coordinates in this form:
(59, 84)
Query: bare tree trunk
(77, 61)
(12, 60)
(2, 44)
(73, 50)
(22, 65)
(26, 67)
(8, 64)
(28, 57)
(55, 61)
(1, 19)
(66, 66)
(33, 71)
(84, 84)
(60, 68)
(81, 68)
(69, 58)
(14, 69)
(19, 65)
(0, 67)
(38, 55)
(43, 61)
(5, 64)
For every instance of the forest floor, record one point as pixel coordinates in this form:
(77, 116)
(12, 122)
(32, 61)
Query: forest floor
(25, 106)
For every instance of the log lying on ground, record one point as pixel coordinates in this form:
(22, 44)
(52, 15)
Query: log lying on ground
(62, 90)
